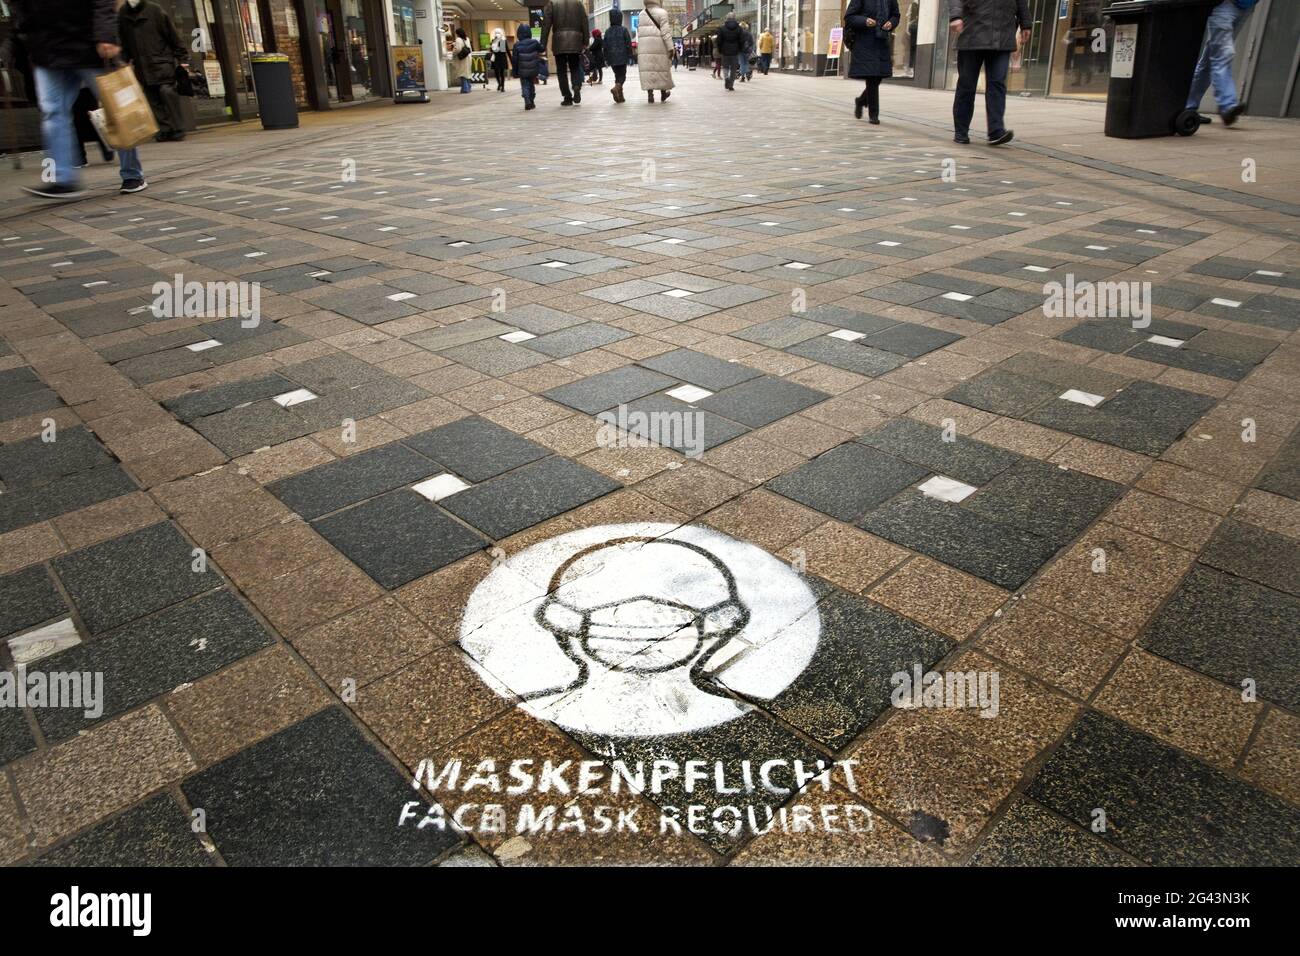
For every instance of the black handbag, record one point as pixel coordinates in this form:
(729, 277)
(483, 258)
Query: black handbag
(184, 85)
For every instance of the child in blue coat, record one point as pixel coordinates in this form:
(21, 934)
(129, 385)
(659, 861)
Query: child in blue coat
(527, 56)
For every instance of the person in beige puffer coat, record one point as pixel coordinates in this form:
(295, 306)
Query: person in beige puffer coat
(654, 50)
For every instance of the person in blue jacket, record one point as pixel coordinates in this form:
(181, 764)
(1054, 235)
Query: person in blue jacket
(526, 61)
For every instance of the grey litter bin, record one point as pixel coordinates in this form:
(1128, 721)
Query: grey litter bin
(273, 83)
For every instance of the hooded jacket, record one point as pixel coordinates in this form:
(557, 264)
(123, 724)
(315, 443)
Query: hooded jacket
(527, 52)
(731, 39)
(564, 24)
(150, 42)
(61, 34)
(618, 42)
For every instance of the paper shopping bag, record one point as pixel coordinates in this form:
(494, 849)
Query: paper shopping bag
(130, 119)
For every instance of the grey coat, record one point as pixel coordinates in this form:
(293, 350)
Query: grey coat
(564, 26)
(989, 24)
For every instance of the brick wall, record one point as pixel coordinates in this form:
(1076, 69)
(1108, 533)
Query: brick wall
(291, 46)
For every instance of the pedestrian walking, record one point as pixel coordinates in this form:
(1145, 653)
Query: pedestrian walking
(68, 42)
(1218, 51)
(746, 51)
(528, 56)
(654, 42)
(460, 57)
(987, 32)
(596, 53)
(500, 58)
(617, 52)
(766, 43)
(564, 24)
(729, 42)
(870, 24)
(154, 49)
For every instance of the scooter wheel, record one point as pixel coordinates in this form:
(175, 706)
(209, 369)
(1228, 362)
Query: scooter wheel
(1187, 123)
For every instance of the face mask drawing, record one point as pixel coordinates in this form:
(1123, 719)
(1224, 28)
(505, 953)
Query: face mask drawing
(634, 630)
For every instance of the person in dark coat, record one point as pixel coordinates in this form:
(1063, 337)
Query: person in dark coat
(527, 57)
(617, 50)
(987, 32)
(872, 23)
(728, 43)
(152, 46)
(596, 58)
(564, 29)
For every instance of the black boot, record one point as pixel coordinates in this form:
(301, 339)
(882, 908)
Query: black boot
(857, 108)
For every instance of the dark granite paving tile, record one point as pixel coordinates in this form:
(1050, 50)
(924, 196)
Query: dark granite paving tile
(1145, 438)
(1232, 630)
(578, 338)
(210, 401)
(670, 423)
(848, 683)
(751, 737)
(333, 373)
(398, 537)
(494, 357)
(1044, 499)
(1031, 836)
(131, 576)
(62, 495)
(699, 369)
(838, 317)
(15, 736)
(363, 401)
(847, 481)
(18, 381)
(1002, 393)
(965, 459)
(784, 332)
(851, 356)
(30, 403)
(1191, 360)
(1247, 349)
(147, 369)
(1263, 556)
(1065, 374)
(1162, 806)
(910, 339)
(151, 657)
(607, 389)
(972, 310)
(540, 319)
(761, 401)
(346, 481)
(28, 597)
(239, 431)
(316, 794)
(475, 448)
(1282, 475)
(33, 462)
(1160, 405)
(998, 553)
(526, 496)
(1104, 336)
(154, 833)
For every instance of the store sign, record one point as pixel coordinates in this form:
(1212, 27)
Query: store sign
(636, 630)
(836, 41)
(1124, 52)
(408, 65)
(212, 73)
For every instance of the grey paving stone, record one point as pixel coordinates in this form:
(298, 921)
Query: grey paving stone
(1232, 630)
(784, 332)
(333, 373)
(398, 537)
(578, 338)
(998, 553)
(851, 356)
(604, 390)
(965, 459)
(209, 401)
(761, 401)
(840, 318)
(1162, 806)
(524, 497)
(340, 483)
(155, 833)
(62, 495)
(128, 577)
(494, 357)
(910, 339)
(1249, 551)
(246, 429)
(332, 410)
(33, 462)
(1065, 374)
(1247, 349)
(28, 597)
(316, 794)
(15, 736)
(475, 448)
(1096, 425)
(1191, 360)
(1172, 410)
(1280, 476)
(1052, 502)
(155, 655)
(665, 421)
(539, 319)
(1030, 835)
(847, 481)
(1002, 393)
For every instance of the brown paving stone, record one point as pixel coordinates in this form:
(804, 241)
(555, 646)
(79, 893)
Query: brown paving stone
(751, 459)
(29, 545)
(803, 436)
(364, 644)
(85, 779)
(1180, 707)
(843, 555)
(1164, 519)
(936, 786)
(289, 458)
(879, 843)
(423, 415)
(617, 508)
(108, 519)
(1190, 487)
(438, 599)
(244, 703)
(229, 519)
(202, 491)
(768, 520)
(13, 843)
(847, 413)
(1223, 455)
(263, 557)
(1024, 438)
(1273, 761)
(1270, 511)
(528, 414)
(939, 412)
(313, 594)
(630, 463)
(1056, 649)
(1101, 461)
(571, 436)
(368, 433)
(428, 704)
(692, 489)
(939, 597)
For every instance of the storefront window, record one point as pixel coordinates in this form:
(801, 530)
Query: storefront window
(807, 38)
(1028, 73)
(904, 53)
(1081, 64)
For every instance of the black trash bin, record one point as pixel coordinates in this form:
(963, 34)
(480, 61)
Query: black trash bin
(1153, 57)
(273, 82)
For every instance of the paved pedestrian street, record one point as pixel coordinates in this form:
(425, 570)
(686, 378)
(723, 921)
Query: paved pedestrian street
(721, 481)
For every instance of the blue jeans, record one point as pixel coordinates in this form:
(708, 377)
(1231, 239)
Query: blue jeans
(528, 86)
(56, 91)
(465, 85)
(1217, 54)
(995, 64)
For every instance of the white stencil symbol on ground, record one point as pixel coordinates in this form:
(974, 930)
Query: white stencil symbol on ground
(626, 630)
